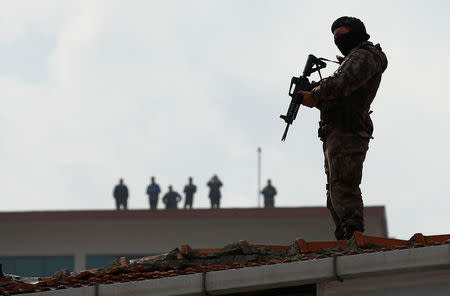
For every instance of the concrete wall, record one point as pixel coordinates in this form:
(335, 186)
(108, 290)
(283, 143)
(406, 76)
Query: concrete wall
(153, 232)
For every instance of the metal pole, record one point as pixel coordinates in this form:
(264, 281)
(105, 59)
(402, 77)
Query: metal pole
(259, 177)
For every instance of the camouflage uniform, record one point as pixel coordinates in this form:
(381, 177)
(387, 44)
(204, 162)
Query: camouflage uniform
(345, 129)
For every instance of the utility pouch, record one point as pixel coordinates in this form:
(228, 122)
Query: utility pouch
(323, 130)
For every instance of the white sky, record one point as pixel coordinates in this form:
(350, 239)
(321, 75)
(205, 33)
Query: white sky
(97, 90)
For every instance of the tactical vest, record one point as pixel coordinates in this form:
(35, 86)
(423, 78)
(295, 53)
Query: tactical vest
(350, 114)
(346, 114)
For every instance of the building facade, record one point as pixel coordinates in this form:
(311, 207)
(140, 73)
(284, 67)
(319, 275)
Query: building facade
(40, 243)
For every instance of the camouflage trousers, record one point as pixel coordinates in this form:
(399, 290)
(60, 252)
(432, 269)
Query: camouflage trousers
(344, 157)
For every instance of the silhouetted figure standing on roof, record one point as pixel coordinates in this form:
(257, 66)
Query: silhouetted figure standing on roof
(345, 126)
(269, 193)
(214, 191)
(153, 191)
(189, 191)
(171, 199)
(121, 195)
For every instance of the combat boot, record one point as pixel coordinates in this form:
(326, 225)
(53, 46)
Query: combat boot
(339, 233)
(350, 229)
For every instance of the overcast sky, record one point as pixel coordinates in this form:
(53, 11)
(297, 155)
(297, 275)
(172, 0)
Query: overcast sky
(97, 90)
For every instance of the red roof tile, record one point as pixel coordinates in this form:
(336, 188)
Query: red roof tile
(189, 260)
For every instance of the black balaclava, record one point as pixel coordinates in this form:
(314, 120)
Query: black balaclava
(357, 34)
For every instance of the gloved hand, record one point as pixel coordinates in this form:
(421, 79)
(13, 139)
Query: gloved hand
(308, 99)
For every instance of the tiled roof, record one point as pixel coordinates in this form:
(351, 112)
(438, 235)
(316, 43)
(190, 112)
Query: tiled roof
(186, 260)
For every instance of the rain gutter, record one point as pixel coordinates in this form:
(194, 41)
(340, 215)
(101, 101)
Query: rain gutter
(276, 275)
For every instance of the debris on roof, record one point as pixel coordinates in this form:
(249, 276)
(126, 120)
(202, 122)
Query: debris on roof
(187, 260)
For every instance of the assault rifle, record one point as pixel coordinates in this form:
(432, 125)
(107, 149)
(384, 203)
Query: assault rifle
(313, 64)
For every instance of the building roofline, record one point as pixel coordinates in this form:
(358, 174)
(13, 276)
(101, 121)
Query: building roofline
(276, 275)
(377, 211)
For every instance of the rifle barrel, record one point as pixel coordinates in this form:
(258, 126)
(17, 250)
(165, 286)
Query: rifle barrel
(285, 132)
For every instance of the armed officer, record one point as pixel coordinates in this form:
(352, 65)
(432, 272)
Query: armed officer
(345, 126)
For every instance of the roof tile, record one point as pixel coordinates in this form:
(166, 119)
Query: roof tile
(243, 254)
